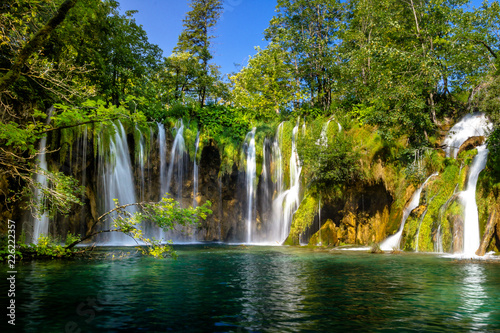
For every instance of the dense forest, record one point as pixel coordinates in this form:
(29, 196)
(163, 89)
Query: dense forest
(395, 75)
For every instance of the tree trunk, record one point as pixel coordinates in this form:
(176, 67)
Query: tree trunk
(488, 233)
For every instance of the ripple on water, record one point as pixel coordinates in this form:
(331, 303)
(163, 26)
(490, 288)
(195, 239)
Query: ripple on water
(229, 289)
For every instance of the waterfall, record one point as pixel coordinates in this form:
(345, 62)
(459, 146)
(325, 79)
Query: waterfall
(438, 246)
(177, 159)
(162, 143)
(140, 161)
(287, 202)
(195, 170)
(319, 222)
(219, 182)
(115, 171)
(323, 138)
(277, 159)
(250, 175)
(472, 124)
(468, 198)
(41, 224)
(392, 242)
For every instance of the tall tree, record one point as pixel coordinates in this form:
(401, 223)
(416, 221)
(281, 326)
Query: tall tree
(266, 85)
(196, 38)
(309, 30)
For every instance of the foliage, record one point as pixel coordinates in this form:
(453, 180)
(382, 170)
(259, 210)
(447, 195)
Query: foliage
(266, 86)
(309, 31)
(227, 126)
(46, 247)
(329, 160)
(166, 214)
(303, 218)
(193, 51)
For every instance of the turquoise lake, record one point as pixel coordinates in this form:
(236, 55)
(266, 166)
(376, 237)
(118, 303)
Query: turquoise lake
(221, 288)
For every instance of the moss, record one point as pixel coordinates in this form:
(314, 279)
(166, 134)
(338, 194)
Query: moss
(409, 237)
(327, 236)
(303, 218)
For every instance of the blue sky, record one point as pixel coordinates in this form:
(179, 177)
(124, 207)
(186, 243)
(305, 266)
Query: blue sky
(240, 29)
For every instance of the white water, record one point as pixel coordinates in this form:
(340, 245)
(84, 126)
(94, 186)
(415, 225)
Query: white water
(323, 138)
(468, 198)
(392, 242)
(287, 202)
(140, 159)
(115, 170)
(177, 159)
(195, 170)
(319, 222)
(278, 159)
(163, 159)
(41, 225)
(250, 175)
(472, 124)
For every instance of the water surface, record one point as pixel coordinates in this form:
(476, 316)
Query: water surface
(216, 288)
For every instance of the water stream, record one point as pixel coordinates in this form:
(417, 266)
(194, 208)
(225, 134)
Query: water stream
(115, 171)
(468, 198)
(41, 224)
(392, 242)
(250, 175)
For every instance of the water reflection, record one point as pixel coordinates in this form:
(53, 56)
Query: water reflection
(272, 291)
(473, 306)
(232, 289)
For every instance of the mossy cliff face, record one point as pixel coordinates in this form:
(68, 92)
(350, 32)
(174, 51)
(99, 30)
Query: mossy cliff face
(362, 213)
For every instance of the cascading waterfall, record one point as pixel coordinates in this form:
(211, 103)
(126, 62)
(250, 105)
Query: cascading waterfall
(162, 143)
(195, 170)
(438, 245)
(140, 162)
(177, 160)
(319, 222)
(468, 198)
(323, 138)
(277, 159)
(287, 202)
(472, 124)
(250, 176)
(392, 242)
(115, 170)
(84, 170)
(41, 225)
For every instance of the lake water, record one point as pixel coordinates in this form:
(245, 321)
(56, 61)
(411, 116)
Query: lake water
(220, 288)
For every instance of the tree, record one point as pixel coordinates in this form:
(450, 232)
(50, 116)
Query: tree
(309, 31)
(409, 61)
(266, 85)
(195, 40)
(165, 214)
(34, 44)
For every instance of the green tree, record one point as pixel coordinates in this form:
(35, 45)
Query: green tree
(195, 40)
(266, 85)
(309, 31)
